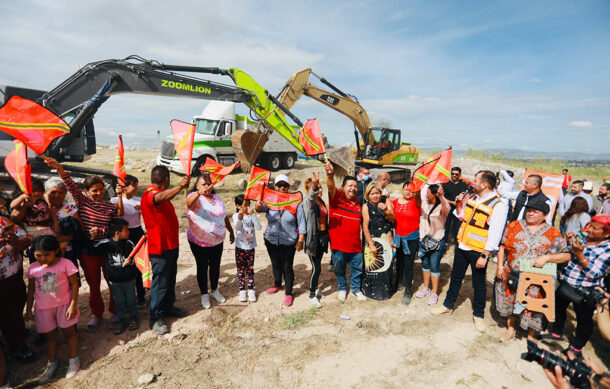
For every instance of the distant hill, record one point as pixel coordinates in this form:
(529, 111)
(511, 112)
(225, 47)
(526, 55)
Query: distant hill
(524, 154)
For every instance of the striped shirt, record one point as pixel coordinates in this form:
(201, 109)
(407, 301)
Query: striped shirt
(593, 274)
(92, 213)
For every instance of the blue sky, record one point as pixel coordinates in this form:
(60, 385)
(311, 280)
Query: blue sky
(532, 75)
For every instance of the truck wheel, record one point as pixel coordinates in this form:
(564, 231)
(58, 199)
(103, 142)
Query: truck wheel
(195, 172)
(274, 162)
(289, 160)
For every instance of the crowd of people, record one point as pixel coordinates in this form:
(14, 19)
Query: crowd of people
(377, 237)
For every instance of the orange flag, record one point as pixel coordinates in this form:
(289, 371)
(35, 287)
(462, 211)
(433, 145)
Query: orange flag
(259, 177)
(277, 200)
(119, 163)
(436, 170)
(31, 123)
(310, 138)
(217, 171)
(140, 255)
(18, 166)
(184, 136)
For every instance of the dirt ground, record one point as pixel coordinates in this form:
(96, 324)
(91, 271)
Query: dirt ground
(265, 344)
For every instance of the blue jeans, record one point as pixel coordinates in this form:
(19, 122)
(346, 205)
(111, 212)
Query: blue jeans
(431, 260)
(162, 293)
(355, 260)
(124, 295)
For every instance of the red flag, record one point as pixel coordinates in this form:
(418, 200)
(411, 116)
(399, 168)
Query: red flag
(18, 166)
(217, 171)
(435, 170)
(259, 177)
(140, 255)
(184, 136)
(119, 163)
(310, 138)
(277, 200)
(31, 123)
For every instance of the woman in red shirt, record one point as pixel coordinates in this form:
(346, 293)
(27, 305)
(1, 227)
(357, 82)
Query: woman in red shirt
(407, 210)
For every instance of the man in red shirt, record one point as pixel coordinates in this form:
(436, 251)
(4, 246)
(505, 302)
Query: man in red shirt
(162, 228)
(345, 221)
(567, 181)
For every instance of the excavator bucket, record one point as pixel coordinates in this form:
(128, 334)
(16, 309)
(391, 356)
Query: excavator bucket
(342, 159)
(247, 146)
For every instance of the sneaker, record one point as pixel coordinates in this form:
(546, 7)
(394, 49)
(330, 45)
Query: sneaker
(122, 328)
(315, 302)
(115, 321)
(217, 296)
(479, 324)
(423, 292)
(288, 300)
(251, 295)
(176, 312)
(94, 324)
(160, 328)
(6, 385)
(133, 325)
(141, 303)
(242, 296)
(433, 299)
(440, 310)
(273, 289)
(552, 336)
(359, 296)
(73, 367)
(406, 298)
(342, 295)
(319, 294)
(205, 301)
(48, 372)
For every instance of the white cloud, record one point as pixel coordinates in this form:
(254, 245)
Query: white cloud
(535, 80)
(580, 123)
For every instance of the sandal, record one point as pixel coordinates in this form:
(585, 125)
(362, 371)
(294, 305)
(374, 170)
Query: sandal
(577, 354)
(552, 336)
(94, 324)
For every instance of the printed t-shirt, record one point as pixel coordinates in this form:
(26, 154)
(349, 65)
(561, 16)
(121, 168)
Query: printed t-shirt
(161, 222)
(131, 209)
(345, 222)
(52, 284)
(207, 222)
(407, 217)
(11, 260)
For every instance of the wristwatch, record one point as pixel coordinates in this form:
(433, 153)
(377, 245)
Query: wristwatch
(484, 256)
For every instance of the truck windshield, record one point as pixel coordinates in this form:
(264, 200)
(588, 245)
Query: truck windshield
(207, 127)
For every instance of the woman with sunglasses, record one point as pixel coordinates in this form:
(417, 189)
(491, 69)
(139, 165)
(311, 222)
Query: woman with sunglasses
(285, 234)
(208, 223)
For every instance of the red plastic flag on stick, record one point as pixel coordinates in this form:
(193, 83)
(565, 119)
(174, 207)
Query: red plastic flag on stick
(259, 177)
(119, 163)
(18, 166)
(311, 139)
(31, 123)
(140, 255)
(217, 171)
(278, 200)
(184, 136)
(436, 170)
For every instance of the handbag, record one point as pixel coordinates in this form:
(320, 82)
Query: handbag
(513, 280)
(429, 243)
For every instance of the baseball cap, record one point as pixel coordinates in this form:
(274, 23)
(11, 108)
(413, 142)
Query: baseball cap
(281, 178)
(588, 185)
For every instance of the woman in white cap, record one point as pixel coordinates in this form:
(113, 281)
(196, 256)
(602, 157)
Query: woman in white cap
(284, 235)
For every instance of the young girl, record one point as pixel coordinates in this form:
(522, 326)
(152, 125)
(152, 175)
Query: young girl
(245, 222)
(54, 287)
(33, 211)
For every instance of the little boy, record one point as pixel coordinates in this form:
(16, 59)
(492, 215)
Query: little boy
(121, 273)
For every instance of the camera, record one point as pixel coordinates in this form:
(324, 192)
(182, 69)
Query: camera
(575, 369)
(593, 296)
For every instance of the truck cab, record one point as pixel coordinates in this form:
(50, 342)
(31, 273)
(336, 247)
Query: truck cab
(213, 130)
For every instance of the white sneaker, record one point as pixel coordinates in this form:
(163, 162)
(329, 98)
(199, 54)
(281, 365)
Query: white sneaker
(217, 296)
(73, 367)
(48, 372)
(359, 296)
(252, 295)
(205, 301)
(242, 296)
(315, 302)
(342, 295)
(479, 324)
(319, 294)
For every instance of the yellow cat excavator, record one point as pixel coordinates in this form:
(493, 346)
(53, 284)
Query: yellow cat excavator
(375, 146)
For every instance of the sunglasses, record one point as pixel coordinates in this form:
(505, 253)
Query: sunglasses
(282, 185)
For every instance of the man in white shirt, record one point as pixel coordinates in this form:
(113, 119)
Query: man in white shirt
(576, 191)
(520, 199)
(483, 219)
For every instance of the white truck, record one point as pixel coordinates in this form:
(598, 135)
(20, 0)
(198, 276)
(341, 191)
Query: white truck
(213, 130)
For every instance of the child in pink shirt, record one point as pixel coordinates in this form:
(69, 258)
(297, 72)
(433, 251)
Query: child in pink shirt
(53, 284)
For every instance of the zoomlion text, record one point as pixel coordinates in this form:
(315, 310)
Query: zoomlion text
(184, 86)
